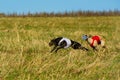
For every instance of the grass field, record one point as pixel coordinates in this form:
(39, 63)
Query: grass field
(25, 54)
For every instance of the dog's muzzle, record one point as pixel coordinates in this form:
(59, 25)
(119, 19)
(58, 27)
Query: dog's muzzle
(50, 43)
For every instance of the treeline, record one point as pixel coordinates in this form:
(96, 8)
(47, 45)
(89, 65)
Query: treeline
(64, 14)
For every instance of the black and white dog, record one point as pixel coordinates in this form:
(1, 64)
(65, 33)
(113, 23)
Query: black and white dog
(62, 42)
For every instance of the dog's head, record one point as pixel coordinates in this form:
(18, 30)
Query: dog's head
(51, 43)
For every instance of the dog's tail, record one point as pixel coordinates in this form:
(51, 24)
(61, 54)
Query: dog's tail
(83, 48)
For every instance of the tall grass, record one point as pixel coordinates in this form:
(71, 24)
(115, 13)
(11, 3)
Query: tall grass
(25, 54)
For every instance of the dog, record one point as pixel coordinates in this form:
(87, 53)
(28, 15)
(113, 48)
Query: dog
(94, 41)
(62, 42)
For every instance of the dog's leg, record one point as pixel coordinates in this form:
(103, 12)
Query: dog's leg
(58, 49)
(62, 45)
(53, 48)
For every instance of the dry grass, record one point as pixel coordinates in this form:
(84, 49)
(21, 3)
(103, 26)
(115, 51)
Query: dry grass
(24, 50)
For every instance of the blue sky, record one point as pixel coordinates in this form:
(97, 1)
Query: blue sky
(24, 6)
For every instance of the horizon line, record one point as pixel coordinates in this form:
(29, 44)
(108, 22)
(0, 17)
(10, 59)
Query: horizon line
(66, 11)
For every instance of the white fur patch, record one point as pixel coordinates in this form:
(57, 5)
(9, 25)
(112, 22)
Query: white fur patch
(68, 41)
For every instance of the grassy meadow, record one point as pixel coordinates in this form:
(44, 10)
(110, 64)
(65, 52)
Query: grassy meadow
(25, 54)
